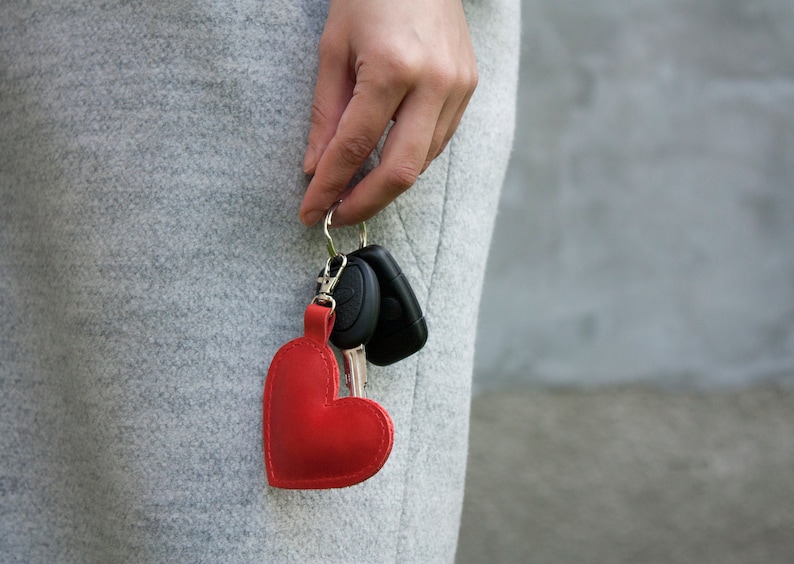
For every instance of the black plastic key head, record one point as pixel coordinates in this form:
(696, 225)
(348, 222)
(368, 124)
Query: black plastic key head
(401, 330)
(357, 297)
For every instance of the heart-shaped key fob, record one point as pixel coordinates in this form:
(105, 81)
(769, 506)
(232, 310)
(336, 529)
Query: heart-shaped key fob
(314, 439)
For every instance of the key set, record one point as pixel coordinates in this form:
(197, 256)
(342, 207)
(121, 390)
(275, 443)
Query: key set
(378, 317)
(364, 306)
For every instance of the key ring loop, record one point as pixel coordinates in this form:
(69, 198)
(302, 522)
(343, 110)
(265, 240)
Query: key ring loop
(362, 232)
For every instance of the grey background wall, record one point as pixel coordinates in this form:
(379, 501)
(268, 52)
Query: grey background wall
(646, 231)
(636, 343)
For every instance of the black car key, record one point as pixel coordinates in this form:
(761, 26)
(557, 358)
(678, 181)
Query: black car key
(357, 297)
(401, 329)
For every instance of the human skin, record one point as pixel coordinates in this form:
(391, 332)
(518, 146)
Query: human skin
(409, 61)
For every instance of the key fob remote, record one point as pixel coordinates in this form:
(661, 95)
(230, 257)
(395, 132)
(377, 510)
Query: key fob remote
(357, 297)
(401, 329)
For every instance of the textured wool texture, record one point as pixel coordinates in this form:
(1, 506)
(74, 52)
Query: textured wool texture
(152, 262)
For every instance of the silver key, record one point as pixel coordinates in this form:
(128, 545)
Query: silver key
(355, 361)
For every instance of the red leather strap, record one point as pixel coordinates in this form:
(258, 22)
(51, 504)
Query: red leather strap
(318, 322)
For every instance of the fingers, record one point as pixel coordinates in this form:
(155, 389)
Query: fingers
(406, 153)
(423, 126)
(425, 116)
(359, 130)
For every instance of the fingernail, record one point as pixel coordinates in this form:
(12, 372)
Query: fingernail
(310, 218)
(309, 160)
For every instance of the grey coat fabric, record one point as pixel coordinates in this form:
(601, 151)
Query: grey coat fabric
(152, 262)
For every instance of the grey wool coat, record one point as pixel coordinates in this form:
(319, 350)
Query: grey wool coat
(151, 264)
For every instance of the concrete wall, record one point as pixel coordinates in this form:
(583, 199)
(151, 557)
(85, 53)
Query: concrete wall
(646, 231)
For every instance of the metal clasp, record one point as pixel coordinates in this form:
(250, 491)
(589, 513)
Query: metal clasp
(329, 281)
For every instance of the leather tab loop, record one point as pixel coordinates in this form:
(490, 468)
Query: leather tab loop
(318, 322)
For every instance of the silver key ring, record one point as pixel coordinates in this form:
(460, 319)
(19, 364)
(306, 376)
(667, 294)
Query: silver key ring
(362, 232)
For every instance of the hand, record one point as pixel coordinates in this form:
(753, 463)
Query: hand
(407, 60)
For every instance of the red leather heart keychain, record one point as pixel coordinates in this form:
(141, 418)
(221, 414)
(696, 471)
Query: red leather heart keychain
(313, 439)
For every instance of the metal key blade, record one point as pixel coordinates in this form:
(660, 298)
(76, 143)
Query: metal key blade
(355, 361)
